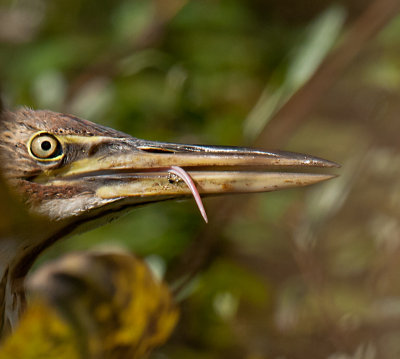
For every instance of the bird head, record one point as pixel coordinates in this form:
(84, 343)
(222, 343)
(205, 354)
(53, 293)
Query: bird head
(71, 174)
(69, 169)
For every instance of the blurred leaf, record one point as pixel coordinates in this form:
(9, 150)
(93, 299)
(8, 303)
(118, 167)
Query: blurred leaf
(319, 39)
(93, 305)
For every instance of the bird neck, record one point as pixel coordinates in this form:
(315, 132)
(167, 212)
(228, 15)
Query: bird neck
(17, 254)
(12, 294)
(12, 299)
(19, 250)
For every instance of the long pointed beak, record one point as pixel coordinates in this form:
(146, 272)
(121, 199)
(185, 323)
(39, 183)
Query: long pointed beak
(142, 171)
(214, 170)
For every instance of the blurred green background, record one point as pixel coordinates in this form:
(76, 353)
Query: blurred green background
(308, 273)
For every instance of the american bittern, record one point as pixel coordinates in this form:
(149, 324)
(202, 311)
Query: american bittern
(73, 174)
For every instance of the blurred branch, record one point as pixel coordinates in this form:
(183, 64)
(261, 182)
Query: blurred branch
(282, 126)
(321, 36)
(107, 66)
(291, 115)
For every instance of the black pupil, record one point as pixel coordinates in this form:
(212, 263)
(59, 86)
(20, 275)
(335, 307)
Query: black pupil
(46, 145)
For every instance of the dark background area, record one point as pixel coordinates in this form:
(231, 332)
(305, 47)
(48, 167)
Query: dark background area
(307, 273)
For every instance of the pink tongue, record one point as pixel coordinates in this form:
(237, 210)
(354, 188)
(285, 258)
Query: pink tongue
(181, 173)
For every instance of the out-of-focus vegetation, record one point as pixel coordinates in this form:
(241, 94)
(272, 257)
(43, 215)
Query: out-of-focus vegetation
(308, 273)
(93, 305)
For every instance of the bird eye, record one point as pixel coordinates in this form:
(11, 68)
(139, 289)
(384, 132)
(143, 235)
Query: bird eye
(45, 146)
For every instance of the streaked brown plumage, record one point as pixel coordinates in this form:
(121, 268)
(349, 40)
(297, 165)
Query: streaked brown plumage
(85, 174)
